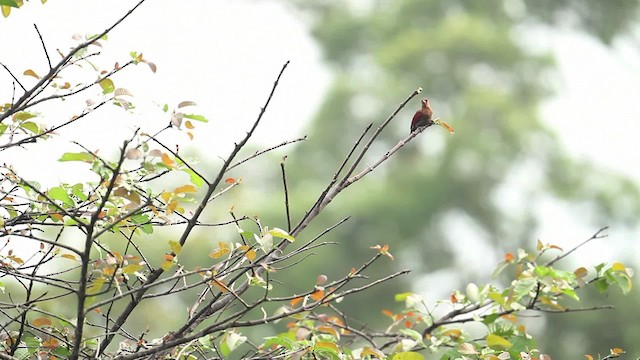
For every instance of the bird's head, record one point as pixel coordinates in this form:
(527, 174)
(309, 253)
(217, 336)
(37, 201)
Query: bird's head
(425, 103)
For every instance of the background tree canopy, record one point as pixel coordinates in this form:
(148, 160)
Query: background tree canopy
(447, 196)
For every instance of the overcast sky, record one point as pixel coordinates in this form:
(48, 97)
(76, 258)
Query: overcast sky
(224, 55)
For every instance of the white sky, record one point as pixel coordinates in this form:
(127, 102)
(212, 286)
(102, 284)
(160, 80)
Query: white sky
(225, 55)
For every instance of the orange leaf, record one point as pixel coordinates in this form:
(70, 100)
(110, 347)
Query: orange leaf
(57, 216)
(51, 343)
(589, 357)
(295, 301)
(220, 285)
(168, 257)
(388, 313)
(408, 324)
(508, 257)
(230, 180)
(317, 295)
(39, 322)
(171, 207)
(31, 73)
(167, 160)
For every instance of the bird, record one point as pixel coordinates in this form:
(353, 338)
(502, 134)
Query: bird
(422, 117)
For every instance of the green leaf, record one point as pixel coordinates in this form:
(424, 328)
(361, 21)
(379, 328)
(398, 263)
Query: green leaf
(59, 193)
(107, 86)
(140, 219)
(196, 117)
(3, 128)
(194, 178)
(285, 340)
(83, 156)
(30, 126)
(24, 115)
(11, 3)
(402, 296)
(489, 319)
(524, 287)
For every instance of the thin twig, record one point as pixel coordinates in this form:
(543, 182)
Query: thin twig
(593, 237)
(286, 194)
(46, 53)
(260, 152)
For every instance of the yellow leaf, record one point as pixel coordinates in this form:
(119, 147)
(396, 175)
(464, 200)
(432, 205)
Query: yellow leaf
(68, 256)
(171, 207)
(166, 265)
(445, 125)
(327, 345)
(407, 355)
(617, 266)
(130, 269)
(329, 330)
(372, 352)
(251, 254)
(175, 247)
(6, 10)
(617, 351)
(185, 189)
(31, 73)
(494, 340)
(188, 124)
(107, 85)
(166, 196)
(452, 333)
(39, 322)
(589, 357)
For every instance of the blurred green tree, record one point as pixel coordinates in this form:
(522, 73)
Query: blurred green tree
(449, 193)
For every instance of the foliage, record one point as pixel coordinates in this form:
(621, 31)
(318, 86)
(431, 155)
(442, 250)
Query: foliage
(94, 239)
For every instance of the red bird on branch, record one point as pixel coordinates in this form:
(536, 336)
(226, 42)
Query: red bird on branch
(422, 116)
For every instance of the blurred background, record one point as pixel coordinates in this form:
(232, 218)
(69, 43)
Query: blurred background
(542, 93)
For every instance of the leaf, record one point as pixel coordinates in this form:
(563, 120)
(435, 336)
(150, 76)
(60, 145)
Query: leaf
(406, 355)
(107, 86)
(186, 103)
(68, 256)
(185, 189)
(40, 322)
(167, 160)
(372, 352)
(83, 156)
(195, 179)
(58, 193)
(166, 265)
(196, 117)
(152, 66)
(23, 115)
(329, 330)
(175, 247)
(279, 233)
(31, 126)
(132, 268)
(122, 92)
(326, 345)
(497, 341)
(31, 73)
(467, 349)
